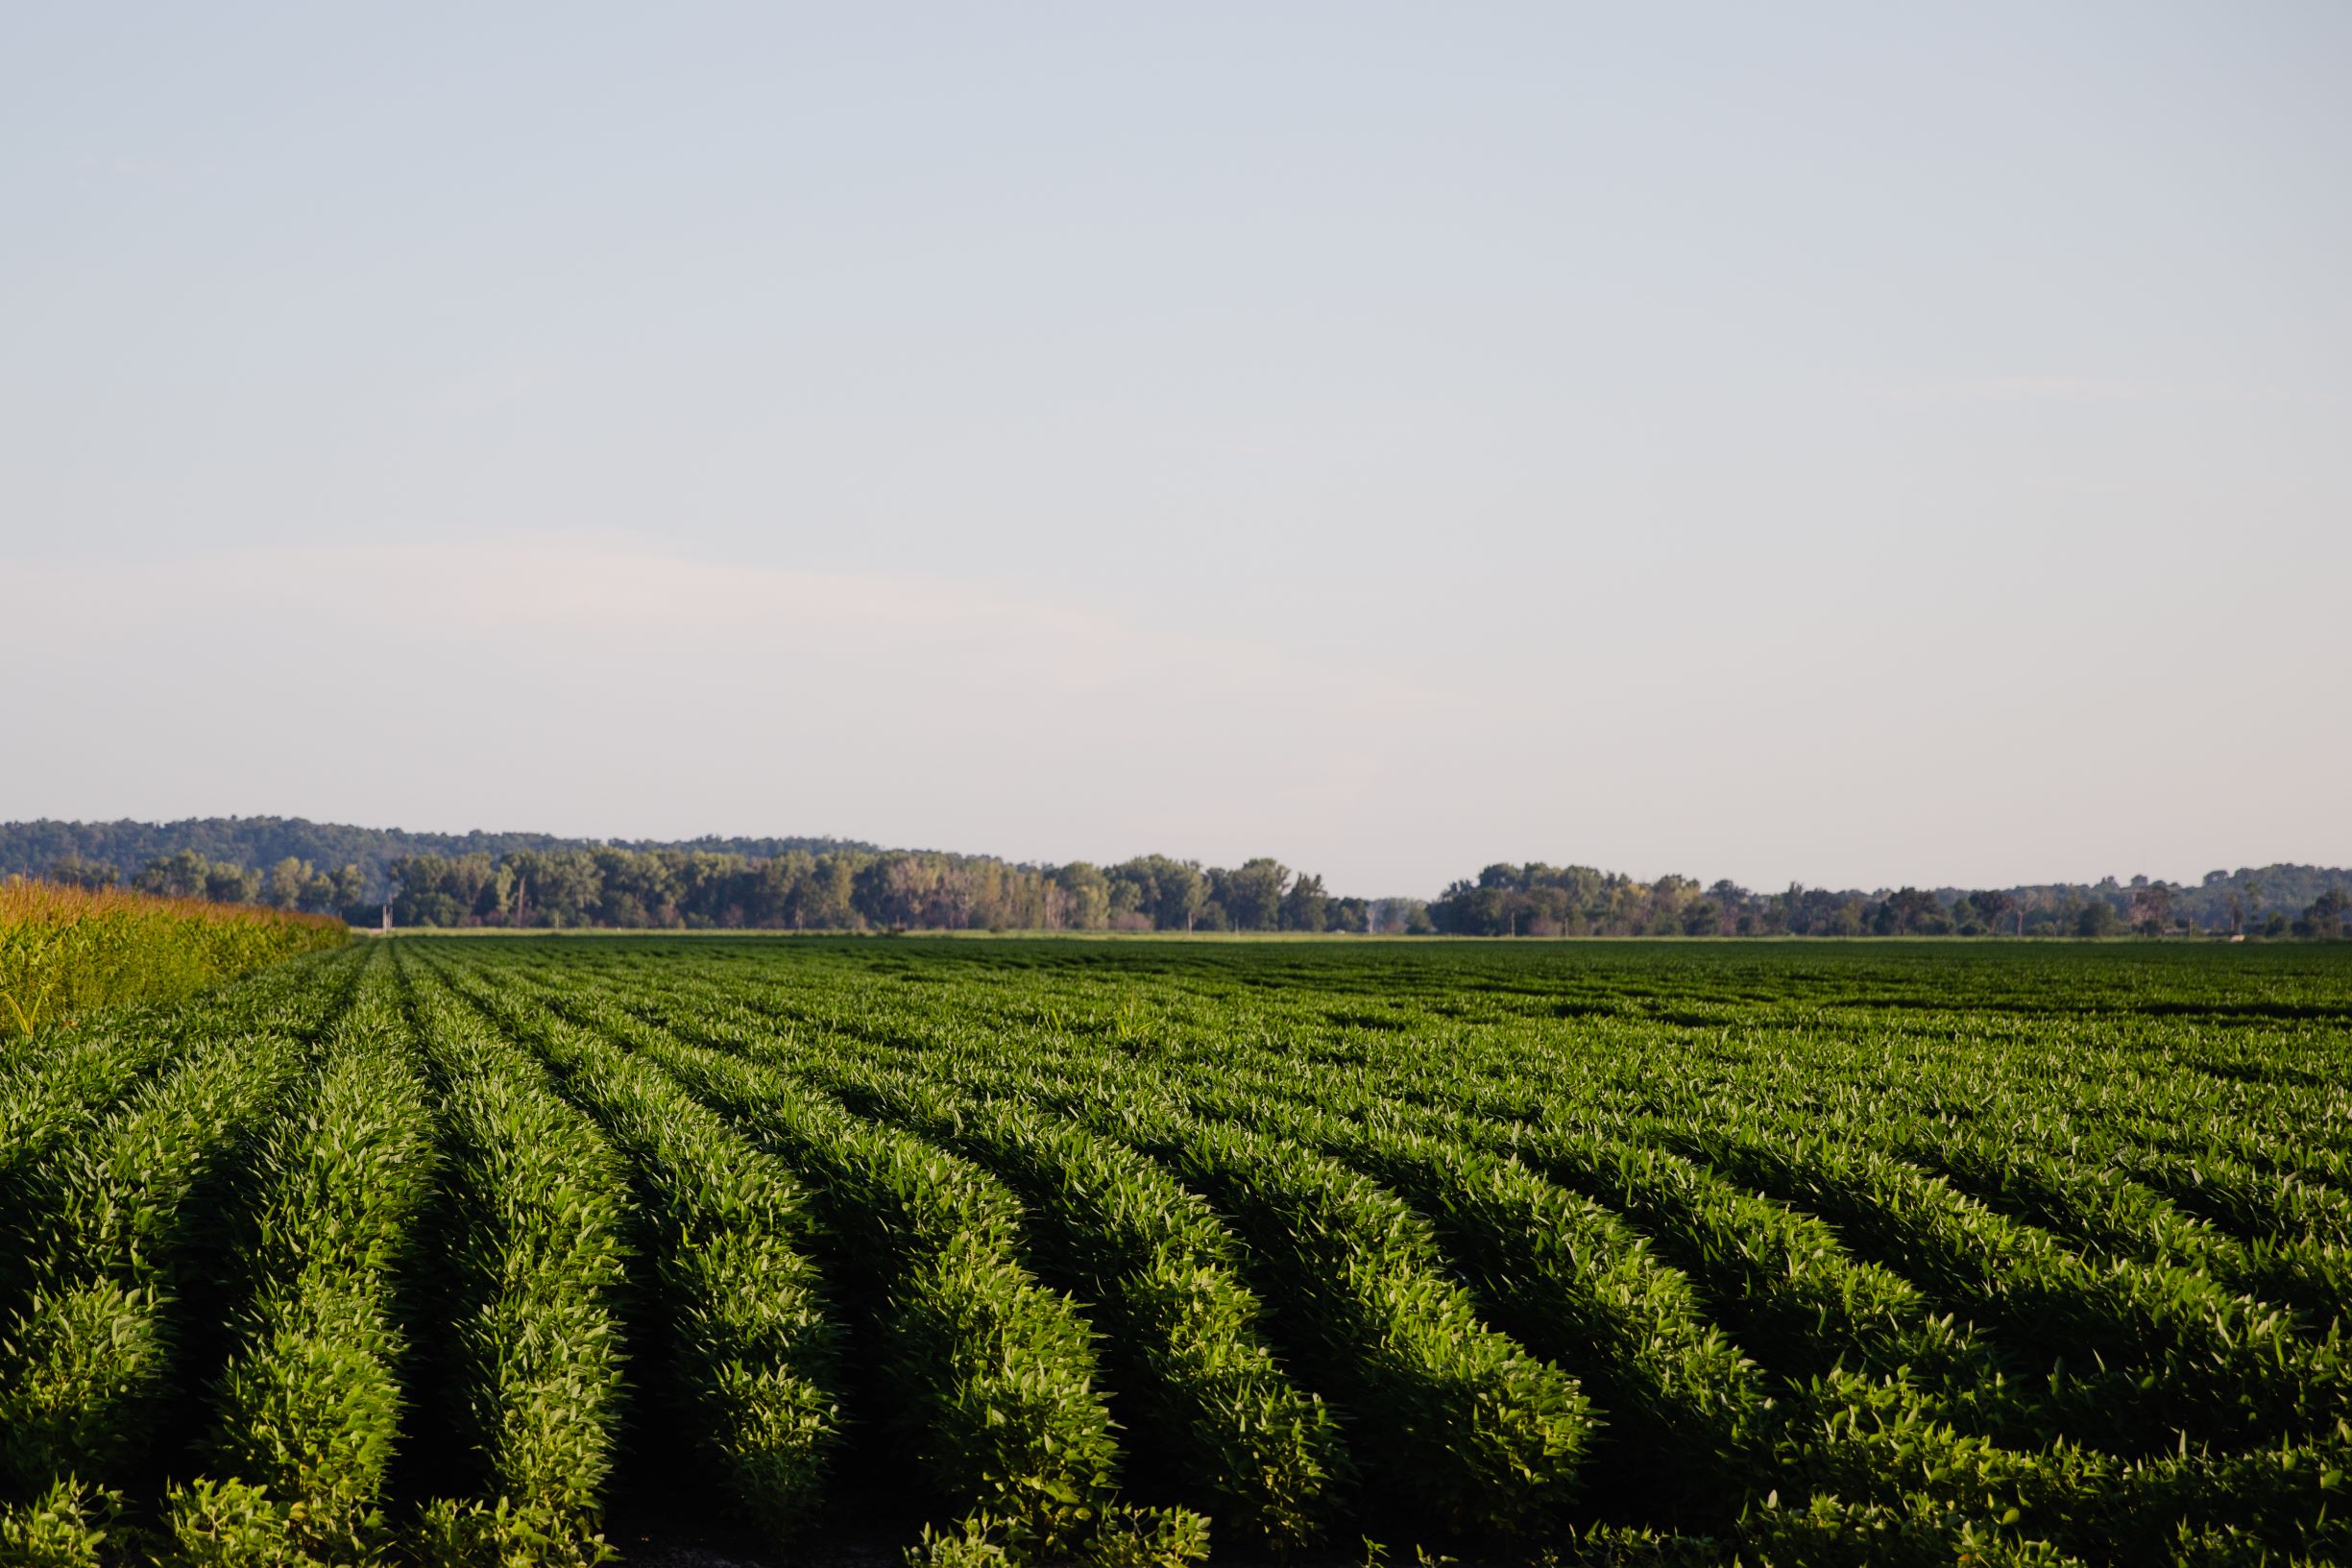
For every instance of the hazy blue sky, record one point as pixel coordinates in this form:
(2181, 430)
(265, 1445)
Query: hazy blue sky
(1857, 444)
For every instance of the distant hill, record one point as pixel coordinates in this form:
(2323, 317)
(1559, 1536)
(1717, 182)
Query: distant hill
(31, 849)
(831, 884)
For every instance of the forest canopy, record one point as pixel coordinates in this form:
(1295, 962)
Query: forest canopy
(542, 882)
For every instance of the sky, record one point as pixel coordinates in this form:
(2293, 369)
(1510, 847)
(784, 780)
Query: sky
(1857, 444)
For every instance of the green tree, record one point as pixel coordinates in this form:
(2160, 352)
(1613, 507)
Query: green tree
(2324, 919)
(343, 890)
(227, 884)
(284, 887)
(179, 876)
(1402, 917)
(1993, 907)
(1306, 907)
(1078, 898)
(75, 872)
(821, 901)
(2097, 919)
(1250, 895)
(2151, 907)
(1172, 894)
(1910, 911)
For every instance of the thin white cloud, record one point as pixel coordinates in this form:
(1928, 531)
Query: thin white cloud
(605, 685)
(611, 597)
(600, 684)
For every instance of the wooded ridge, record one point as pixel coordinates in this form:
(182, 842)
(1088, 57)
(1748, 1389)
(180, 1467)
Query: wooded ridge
(819, 883)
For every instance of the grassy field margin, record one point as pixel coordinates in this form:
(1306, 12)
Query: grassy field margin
(64, 950)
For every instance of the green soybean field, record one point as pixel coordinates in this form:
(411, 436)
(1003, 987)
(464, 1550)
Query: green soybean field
(765, 1251)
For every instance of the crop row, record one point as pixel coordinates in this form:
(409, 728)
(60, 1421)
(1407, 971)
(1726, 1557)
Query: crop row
(1631, 1170)
(438, 1252)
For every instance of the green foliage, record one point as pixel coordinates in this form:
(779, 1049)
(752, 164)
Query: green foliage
(88, 1355)
(309, 1406)
(57, 1088)
(1884, 1399)
(1131, 1537)
(2167, 1350)
(1478, 1434)
(536, 1259)
(1614, 1255)
(64, 1527)
(995, 1372)
(232, 1524)
(754, 1359)
(65, 950)
(1688, 1413)
(539, 879)
(504, 1533)
(1183, 1328)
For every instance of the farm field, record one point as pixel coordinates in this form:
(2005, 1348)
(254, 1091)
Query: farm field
(446, 1251)
(65, 950)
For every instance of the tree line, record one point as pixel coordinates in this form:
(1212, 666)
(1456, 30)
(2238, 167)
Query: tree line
(873, 889)
(539, 882)
(1537, 900)
(292, 883)
(31, 849)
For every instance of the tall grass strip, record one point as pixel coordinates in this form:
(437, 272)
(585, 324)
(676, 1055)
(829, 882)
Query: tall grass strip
(64, 950)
